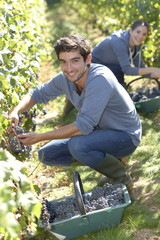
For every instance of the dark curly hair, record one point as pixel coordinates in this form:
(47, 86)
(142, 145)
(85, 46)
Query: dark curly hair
(73, 42)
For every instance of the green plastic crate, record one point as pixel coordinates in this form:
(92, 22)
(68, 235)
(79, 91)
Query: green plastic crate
(89, 222)
(148, 106)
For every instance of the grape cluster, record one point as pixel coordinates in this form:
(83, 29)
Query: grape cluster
(16, 146)
(145, 94)
(45, 215)
(107, 196)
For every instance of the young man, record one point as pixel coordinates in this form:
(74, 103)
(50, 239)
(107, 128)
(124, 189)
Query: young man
(107, 126)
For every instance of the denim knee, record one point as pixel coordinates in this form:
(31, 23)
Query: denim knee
(74, 146)
(43, 158)
(41, 155)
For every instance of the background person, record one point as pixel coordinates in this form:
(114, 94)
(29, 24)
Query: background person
(107, 126)
(121, 52)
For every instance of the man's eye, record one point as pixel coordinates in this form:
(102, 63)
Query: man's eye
(75, 60)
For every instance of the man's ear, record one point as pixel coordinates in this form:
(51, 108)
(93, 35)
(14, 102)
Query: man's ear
(89, 58)
(130, 30)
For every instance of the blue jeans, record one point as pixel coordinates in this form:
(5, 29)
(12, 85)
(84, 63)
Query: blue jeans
(88, 149)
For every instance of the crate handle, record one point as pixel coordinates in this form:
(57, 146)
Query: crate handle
(79, 191)
(158, 83)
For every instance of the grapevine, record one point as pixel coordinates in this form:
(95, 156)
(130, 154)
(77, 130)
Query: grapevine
(23, 44)
(19, 205)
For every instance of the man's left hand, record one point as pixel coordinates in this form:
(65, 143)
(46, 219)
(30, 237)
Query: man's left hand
(29, 138)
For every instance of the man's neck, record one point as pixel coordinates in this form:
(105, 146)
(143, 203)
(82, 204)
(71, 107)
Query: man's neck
(80, 84)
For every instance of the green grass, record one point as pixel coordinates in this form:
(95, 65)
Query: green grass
(144, 163)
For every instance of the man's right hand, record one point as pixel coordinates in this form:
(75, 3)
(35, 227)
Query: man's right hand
(26, 103)
(14, 120)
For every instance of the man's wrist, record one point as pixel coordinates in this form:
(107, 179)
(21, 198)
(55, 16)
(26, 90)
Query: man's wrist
(14, 110)
(42, 137)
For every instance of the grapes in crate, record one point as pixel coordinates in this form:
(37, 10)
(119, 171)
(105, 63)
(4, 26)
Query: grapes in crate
(144, 95)
(110, 195)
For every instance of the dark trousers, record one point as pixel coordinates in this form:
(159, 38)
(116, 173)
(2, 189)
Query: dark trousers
(116, 69)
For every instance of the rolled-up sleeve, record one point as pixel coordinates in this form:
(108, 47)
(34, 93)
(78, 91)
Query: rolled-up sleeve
(85, 123)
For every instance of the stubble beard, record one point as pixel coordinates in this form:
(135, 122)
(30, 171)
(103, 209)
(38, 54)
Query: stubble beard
(79, 77)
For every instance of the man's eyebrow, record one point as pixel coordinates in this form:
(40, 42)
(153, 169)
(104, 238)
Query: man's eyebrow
(75, 58)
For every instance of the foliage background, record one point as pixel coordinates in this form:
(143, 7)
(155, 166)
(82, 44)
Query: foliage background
(110, 15)
(23, 45)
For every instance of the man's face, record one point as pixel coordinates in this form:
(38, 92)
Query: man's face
(73, 65)
(138, 35)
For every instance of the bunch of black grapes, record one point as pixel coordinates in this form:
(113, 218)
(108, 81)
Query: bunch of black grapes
(16, 146)
(110, 195)
(46, 214)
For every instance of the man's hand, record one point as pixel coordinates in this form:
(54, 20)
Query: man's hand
(14, 122)
(15, 118)
(25, 104)
(30, 138)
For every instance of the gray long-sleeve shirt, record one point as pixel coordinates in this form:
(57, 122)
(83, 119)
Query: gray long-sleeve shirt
(115, 50)
(103, 103)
